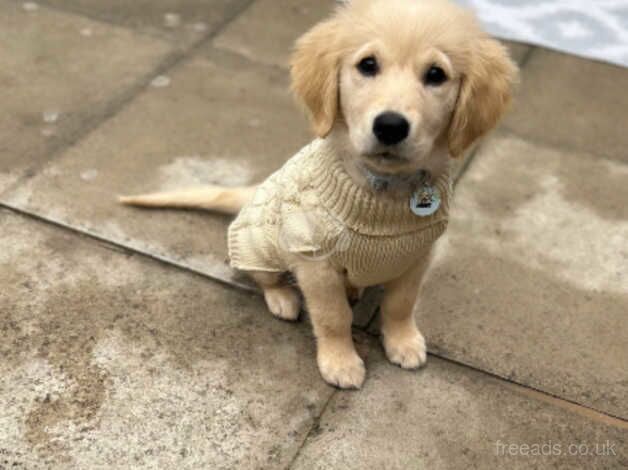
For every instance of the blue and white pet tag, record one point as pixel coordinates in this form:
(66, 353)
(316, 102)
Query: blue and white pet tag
(425, 200)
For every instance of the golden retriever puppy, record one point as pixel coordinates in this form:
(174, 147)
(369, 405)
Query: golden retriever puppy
(395, 88)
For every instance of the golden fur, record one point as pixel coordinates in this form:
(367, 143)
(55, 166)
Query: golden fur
(406, 37)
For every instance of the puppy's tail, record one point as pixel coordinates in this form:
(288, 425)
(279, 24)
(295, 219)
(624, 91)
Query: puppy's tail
(215, 198)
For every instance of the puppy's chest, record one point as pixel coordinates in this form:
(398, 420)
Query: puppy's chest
(371, 260)
(311, 209)
(371, 246)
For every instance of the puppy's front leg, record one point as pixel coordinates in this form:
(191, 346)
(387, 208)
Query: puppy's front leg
(325, 296)
(403, 342)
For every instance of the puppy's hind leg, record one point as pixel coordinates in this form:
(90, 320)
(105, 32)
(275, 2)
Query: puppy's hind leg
(282, 299)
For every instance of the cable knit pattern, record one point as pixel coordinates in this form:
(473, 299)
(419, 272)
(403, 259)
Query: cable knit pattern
(313, 209)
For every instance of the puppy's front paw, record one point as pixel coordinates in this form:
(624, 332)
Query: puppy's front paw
(406, 348)
(283, 302)
(341, 369)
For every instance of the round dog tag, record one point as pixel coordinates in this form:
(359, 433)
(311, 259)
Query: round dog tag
(425, 201)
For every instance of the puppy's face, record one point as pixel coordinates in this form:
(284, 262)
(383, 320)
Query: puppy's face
(396, 102)
(401, 78)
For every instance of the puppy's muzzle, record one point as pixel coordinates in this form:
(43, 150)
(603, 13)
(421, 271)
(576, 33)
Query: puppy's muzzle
(390, 128)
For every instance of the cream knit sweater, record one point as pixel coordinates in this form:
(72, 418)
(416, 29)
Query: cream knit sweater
(313, 209)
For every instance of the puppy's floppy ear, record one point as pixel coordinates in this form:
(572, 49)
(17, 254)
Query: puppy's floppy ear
(314, 69)
(485, 93)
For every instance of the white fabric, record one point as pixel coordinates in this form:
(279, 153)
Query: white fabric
(596, 29)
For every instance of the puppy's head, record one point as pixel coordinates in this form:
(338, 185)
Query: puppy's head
(400, 78)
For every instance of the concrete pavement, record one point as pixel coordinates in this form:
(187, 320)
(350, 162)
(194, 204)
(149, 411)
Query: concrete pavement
(119, 348)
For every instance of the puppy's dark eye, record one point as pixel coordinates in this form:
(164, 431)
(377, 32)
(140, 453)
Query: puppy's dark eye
(368, 66)
(435, 76)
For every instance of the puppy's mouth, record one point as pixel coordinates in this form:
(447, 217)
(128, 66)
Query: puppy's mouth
(387, 156)
(387, 159)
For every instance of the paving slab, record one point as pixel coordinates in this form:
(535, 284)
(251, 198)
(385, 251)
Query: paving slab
(59, 73)
(219, 119)
(182, 21)
(115, 361)
(251, 36)
(573, 103)
(531, 280)
(451, 417)
(518, 51)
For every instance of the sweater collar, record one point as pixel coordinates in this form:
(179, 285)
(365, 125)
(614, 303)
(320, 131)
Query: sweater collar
(362, 209)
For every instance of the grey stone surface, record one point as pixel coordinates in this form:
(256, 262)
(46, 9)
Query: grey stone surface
(184, 21)
(252, 36)
(115, 361)
(220, 120)
(367, 306)
(531, 280)
(59, 73)
(111, 360)
(518, 51)
(573, 103)
(450, 417)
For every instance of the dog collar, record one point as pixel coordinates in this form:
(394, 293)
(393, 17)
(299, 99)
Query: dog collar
(380, 182)
(425, 199)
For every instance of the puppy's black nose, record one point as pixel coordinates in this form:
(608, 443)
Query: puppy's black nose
(391, 128)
